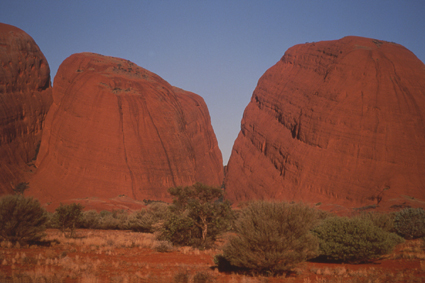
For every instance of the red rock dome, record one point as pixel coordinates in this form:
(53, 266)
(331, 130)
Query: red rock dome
(335, 122)
(25, 97)
(115, 128)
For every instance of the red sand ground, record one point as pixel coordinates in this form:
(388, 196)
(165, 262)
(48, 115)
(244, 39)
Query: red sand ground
(124, 256)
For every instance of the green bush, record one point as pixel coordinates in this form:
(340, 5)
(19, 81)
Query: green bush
(21, 219)
(385, 221)
(89, 220)
(353, 240)
(198, 214)
(410, 223)
(68, 217)
(149, 219)
(115, 220)
(271, 238)
(104, 213)
(180, 230)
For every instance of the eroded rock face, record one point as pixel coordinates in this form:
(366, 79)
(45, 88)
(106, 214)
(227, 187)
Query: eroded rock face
(115, 128)
(338, 122)
(25, 97)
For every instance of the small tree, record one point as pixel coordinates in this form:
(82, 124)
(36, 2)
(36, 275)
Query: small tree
(271, 237)
(200, 207)
(21, 219)
(68, 217)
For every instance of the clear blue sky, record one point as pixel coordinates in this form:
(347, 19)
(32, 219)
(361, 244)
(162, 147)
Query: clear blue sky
(217, 49)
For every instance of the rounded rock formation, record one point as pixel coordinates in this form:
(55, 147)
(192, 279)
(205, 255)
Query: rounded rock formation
(335, 122)
(117, 129)
(25, 97)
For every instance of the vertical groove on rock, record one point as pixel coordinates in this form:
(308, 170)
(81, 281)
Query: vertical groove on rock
(163, 147)
(124, 146)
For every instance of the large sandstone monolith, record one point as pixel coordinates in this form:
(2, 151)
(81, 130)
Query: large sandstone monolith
(25, 97)
(337, 122)
(117, 129)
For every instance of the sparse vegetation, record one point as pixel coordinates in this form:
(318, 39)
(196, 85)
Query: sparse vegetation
(202, 277)
(410, 223)
(271, 238)
(22, 219)
(355, 240)
(127, 256)
(181, 277)
(267, 238)
(163, 246)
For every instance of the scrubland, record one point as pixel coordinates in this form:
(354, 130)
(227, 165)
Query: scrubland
(126, 256)
(201, 238)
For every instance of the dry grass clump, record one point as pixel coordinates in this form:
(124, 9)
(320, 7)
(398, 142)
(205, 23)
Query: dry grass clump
(413, 249)
(198, 277)
(118, 240)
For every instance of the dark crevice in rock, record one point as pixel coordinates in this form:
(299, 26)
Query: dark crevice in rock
(124, 145)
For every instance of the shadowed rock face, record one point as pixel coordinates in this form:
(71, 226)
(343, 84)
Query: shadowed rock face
(117, 129)
(340, 122)
(25, 97)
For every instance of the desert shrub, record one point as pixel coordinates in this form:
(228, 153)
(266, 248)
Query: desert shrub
(181, 277)
(180, 230)
(202, 277)
(22, 219)
(198, 214)
(68, 217)
(89, 220)
(353, 240)
(115, 220)
(149, 219)
(410, 223)
(163, 246)
(385, 221)
(49, 223)
(271, 237)
(104, 213)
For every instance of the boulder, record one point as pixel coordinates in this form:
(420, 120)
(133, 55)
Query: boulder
(335, 122)
(25, 97)
(116, 129)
